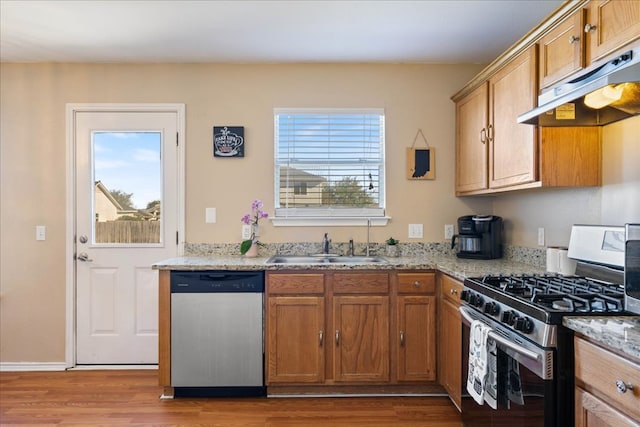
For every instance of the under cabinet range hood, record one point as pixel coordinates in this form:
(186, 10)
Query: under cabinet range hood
(604, 95)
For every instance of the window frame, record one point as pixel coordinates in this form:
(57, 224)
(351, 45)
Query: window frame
(374, 216)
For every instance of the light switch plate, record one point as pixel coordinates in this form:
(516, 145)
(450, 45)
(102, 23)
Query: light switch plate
(415, 231)
(210, 215)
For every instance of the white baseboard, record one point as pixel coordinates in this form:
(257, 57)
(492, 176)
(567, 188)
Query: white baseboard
(32, 366)
(112, 367)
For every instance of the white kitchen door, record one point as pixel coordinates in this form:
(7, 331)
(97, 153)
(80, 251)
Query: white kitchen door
(126, 187)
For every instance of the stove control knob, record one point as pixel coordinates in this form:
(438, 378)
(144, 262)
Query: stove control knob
(464, 295)
(476, 300)
(491, 308)
(508, 317)
(523, 324)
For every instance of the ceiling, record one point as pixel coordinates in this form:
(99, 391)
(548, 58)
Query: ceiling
(272, 31)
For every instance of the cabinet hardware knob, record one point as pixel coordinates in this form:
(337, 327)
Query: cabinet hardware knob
(337, 337)
(402, 338)
(321, 337)
(623, 387)
(417, 284)
(453, 291)
(588, 28)
(483, 136)
(573, 39)
(490, 133)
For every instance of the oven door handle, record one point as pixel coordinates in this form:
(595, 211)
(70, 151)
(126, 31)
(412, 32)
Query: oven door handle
(515, 347)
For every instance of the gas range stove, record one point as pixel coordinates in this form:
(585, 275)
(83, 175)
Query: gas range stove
(534, 305)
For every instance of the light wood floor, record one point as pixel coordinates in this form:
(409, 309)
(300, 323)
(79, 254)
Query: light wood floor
(131, 397)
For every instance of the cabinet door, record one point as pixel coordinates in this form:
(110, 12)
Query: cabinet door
(472, 116)
(562, 50)
(450, 346)
(295, 340)
(361, 338)
(591, 411)
(416, 338)
(611, 24)
(512, 146)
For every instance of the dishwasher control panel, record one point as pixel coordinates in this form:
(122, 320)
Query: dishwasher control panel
(217, 281)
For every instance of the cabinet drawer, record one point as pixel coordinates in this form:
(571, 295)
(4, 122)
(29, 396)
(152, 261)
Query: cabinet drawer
(598, 370)
(360, 283)
(295, 283)
(416, 283)
(451, 289)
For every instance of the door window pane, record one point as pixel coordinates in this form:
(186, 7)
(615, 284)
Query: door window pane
(127, 187)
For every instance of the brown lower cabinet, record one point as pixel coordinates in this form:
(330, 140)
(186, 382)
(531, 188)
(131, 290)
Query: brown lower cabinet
(450, 337)
(603, 396)
(350, 328)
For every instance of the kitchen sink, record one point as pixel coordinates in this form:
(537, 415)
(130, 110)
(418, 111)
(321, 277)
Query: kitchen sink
(325, 259)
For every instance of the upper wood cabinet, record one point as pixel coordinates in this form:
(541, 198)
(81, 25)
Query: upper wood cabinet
(512, 146)
(589, 34)
(472, 119)
(562, 50)
(492, 149)
(610, 25)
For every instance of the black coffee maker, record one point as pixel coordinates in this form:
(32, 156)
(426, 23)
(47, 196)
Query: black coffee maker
(479, 237)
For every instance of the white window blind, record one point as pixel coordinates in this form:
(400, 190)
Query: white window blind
(329, 163)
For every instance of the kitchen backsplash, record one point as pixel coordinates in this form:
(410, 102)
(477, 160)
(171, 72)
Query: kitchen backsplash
(532, 256)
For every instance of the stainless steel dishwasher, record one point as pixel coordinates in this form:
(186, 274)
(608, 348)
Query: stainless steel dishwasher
(217, 333)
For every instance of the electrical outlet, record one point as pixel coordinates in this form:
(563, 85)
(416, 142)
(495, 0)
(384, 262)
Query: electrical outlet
(448, 231)
(246, 231)
(415, 231)
(540, 236)
(41, 232)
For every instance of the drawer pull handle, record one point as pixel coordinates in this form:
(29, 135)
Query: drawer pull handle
(321, 338)
(573, 39)
(337, 337)
(623, 387)
(402, 338)
(453, 291)
(417, 284)
(483, 135)
(588, 28)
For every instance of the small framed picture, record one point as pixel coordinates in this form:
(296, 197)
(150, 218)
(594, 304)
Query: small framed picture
(228, 141)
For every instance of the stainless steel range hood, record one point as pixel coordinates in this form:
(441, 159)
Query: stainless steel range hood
(564, 105)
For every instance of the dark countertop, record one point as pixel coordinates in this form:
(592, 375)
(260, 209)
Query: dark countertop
(621, 333)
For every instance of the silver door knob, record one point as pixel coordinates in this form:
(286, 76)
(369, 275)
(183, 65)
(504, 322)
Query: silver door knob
(83, 256)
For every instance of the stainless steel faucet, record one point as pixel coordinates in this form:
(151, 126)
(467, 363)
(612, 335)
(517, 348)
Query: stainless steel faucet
(326, 243)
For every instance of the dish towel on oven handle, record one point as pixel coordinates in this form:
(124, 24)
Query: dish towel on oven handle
(491, 383)
(478, 366)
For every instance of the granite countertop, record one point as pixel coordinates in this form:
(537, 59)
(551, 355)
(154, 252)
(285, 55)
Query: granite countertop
(621, 333)
(449, 264)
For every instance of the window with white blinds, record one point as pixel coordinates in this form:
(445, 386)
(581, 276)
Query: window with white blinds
(329, 163)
